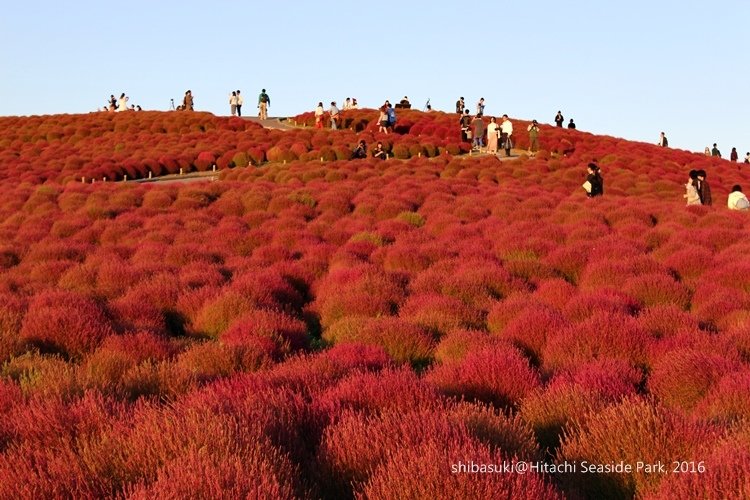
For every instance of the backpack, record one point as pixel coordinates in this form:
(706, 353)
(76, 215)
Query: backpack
(391, 116)
(264, 98)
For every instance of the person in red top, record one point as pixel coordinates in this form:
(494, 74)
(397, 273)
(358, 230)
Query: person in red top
(733, 156)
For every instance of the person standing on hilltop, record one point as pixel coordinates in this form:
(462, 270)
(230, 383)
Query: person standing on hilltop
(480, 106)
(460, 106)
(707, 151)
(506, 131)
(263, 102)
(233, 103)
(334, 111)
(465, 123)
(747, 157)
(571, 125)
(319, 115)
(533, 130)
(559, 119)
(663, 140)
(240, 102)
(492, 136)
(733, 156)
(704, 190)
(122, 104)
(187, 101)
(715, 151)
(478, 125)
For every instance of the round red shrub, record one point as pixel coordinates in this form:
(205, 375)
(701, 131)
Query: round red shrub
(64, 322)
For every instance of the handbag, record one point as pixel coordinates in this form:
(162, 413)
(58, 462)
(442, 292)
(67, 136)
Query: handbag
(587, 187)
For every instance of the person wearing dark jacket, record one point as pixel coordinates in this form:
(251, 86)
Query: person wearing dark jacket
(594, 183)
(361, 151)
(733, 156)
(571, 124)
(559, 119)
(704, 190)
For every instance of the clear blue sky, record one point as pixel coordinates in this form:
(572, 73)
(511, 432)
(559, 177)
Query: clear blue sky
(629, 69)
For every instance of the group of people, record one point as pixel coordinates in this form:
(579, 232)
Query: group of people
(360, 152)
(236, 101)
(498, 135)
(120, 104)
(733, 156)
(698, 192)
(560, 119)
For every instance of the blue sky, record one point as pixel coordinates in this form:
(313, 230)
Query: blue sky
(629, 69)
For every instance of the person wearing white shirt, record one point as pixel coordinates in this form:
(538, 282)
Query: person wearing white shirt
(319, 115)
(492, 136)
(506, 131)
(737, 199)
(233, 103)
(122, 104)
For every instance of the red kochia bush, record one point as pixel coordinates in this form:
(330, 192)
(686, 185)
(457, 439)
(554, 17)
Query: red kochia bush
(529, 330)
(604, 335)
(632, 431)
(681, 378)
(288, 333)
(425, 472)
(439, 313)
(498, 374)
(64, 322)
(728, 400)
(375, 392)
(726, 474)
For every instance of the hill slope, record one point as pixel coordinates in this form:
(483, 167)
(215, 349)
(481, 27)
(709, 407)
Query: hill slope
(308, 328)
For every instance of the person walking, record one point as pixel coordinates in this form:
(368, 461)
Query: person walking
(533, 130)
(478, 125)
(383, 120)
(737, 199)
(663, 142)
(704, 190)
(506, 132)
(460, 106)
(240, 102)
(391, 112)
(335, 115)
(492, 136)
(571, 125)
(187, 101)
(319, 115)
(233, 103)
(715, 151)
(594, 185)
(465, 123)
(733, 156)
(691, 191)
(263, 102)
(559, 119)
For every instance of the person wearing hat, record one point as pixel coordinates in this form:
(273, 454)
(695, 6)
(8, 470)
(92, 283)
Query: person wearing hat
(533, 130)
(691, 189)
(594, 184)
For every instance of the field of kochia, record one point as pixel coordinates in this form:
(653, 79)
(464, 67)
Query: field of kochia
(311, 326)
